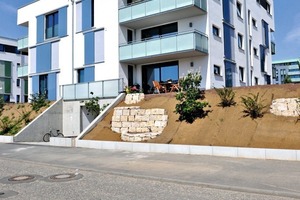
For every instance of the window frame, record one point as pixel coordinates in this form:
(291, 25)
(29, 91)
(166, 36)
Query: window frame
(217, 29)
(241, 74)
(254, 22)
(218, 73)
(54, 32)
(239, 9)
(240, 41)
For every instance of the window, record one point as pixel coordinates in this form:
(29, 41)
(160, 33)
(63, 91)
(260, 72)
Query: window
(255, 51)
(18, 82)
(254, 23)
(43, 85)
(129, 36)
(217, 70)
(80, 73)
(156, 32)
(18, 98)
(239, 9)
(240, 41)
(241, 73)
(216, 31)
(256, 80)
(52, 25)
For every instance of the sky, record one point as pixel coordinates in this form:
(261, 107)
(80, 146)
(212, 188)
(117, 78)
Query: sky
(287, 25)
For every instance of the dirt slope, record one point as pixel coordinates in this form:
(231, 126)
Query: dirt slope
(222, 126)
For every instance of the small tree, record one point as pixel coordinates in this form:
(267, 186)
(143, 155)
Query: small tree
(38, 101)
(93, 107)
(287, 79)
(253, 105)
(190, 106)
(227, 96)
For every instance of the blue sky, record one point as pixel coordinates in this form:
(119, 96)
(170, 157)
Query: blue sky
(287, 25)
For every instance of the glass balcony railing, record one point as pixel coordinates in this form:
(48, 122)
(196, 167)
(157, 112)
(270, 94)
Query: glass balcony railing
(23, 43)
(155, 7)
(101, 89)
(181, 42)
(23, 71)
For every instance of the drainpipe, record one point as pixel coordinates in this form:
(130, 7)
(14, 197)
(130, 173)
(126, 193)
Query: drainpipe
(247, 44)
(72, 41)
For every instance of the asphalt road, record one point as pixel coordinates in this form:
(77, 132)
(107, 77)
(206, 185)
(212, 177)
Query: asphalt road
(126, 175)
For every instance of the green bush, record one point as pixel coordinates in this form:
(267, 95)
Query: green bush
(93, 107)
(253, 105)
(190, 106)
(38, 101)
(2, 104)
(227, 96)
(9, 126)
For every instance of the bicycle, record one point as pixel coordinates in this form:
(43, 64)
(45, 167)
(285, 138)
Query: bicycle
(47, 136)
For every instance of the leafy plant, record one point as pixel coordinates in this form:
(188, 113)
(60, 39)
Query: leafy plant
(190, 106)
(9, 126)
(287, 79)
(253, 105)
(38, 101)
(227, 96)
(2, 104)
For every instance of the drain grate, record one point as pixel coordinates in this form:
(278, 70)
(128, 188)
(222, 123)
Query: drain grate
(64, 177)
(26, 178)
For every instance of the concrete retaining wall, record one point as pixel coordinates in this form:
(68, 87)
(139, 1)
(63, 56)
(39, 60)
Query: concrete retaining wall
(50, 119)
(62, 142)
(6, 139)
(102, 115)
(236, 152)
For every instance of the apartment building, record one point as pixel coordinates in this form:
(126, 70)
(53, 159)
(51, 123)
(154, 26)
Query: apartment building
(80, 46)
(12, 88)
(286, 68)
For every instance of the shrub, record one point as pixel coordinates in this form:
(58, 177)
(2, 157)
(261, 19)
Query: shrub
(287, 79)
(190, 107)
(2, 104)
(253, 105)
(38, 101)
(227, 96)
(93, 107)
(9, 126)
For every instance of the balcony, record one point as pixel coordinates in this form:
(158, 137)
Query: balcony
(273, 48)
(180, 45)
(152, 12)
(101, 89)
(23, 43)
(23, 71)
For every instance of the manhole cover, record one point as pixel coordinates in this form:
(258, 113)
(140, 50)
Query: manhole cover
(64, 177)
(21, 178)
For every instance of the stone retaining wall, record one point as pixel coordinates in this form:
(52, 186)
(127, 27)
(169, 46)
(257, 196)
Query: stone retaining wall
(285, 107)
(136, 124)
(134, 98)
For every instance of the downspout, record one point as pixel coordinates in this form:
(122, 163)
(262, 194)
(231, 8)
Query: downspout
(72, 41)
(247, 44)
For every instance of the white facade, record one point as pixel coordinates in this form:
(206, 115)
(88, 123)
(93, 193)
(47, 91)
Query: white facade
(189, 46)
(12, 89)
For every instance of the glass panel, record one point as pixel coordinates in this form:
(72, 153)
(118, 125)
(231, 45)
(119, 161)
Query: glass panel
(7, 69)
(201, 42)
(168, 45)
(169, 73)
(167, 5)
(69, 92)
(182, 3)
(139, 50)
(138, 10)
(2, 86)
(111, 88)
(125, 52)
(185, 42)
(152, 7)
(96, 88)
(153, 47)
(82, 91)
(125, 14)
(2, 68)
(7, 85)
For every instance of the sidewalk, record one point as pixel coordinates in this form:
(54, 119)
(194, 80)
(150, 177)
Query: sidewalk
(248, 175)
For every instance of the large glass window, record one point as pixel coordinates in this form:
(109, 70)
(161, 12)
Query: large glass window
(43, 85)
(161, 72)
(52, 25)
(156, 32)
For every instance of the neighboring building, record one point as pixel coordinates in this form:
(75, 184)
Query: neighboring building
(135, 42)
(12, 88)
(283, 68)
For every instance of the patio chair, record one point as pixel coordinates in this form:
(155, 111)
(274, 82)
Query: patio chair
(157, 87)
(175, 87)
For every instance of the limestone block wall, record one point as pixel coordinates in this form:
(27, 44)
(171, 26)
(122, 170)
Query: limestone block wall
(134, 98)
(136, 124)
(285, 107)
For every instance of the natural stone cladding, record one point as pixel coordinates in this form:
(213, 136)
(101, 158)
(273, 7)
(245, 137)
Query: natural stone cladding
(285, 107)
(136, 124)
(134, 98)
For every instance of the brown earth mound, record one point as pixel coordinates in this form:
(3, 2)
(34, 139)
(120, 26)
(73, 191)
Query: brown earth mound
(222, 126)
